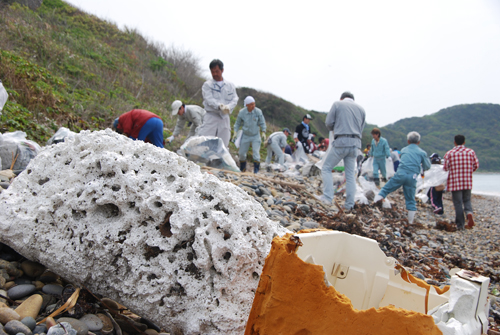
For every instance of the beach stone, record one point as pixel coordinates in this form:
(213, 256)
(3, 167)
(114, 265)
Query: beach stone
(53, 289)
(127, 325)
(38, 285)
(8, 285)
(48, 277)
(2, 305)
(80, 326)
(2, 281)
(305, 208)
(15, 327)
(92, 321)
(9, 267)
(32, 269)
(294, 226)
(107, 324)
(3, 293)
(108, 303)
(30, 307)
(23, 281)
(311, 224)
(50, 322)
(143, 234)
(29, 322)
(40, 329)
(21, 291)
(47, 300)
(7, 314)
(151, 331)
(50, 308)
(59, 330)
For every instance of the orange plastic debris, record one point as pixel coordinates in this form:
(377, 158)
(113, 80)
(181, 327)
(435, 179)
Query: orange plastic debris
(293, 299)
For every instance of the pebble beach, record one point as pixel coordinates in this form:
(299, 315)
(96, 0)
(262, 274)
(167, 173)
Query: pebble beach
(429, 249)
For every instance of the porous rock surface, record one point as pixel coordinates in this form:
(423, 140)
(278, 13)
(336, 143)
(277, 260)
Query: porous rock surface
(142, 226)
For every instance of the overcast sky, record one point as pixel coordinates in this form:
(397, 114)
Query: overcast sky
(399, 58)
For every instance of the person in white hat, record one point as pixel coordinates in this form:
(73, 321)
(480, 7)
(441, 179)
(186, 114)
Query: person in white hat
(186, 113)
(250, 119)
(219, 100)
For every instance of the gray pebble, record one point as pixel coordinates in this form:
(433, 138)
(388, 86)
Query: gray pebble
(29, 322)
(20, 291)
(59, 330)
(304, 208)
(419, 275)
(40, 329)
(53, 289)
(80, 327)
(92, 321)
(14, 327)
(311, 224)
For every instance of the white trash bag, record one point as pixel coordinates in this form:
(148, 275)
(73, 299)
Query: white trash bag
(210, 151)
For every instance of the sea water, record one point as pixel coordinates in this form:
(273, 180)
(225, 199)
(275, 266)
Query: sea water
(486, 183)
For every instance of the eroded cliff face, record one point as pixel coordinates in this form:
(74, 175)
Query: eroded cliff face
(144, 227)
(293, 298)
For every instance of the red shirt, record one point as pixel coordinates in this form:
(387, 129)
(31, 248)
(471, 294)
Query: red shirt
(132, 122)
(460, 162)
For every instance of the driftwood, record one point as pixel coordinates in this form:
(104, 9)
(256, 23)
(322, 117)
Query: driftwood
(285, 183)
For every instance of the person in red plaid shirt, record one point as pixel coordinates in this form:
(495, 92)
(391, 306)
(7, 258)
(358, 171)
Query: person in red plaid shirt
(461, 162)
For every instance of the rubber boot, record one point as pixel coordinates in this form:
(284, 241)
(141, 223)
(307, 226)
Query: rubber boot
(256, 167)
(377, 182)
(411, 216)
(243, 166)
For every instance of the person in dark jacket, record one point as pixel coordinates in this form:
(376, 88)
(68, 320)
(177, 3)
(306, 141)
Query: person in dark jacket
(140, 124)
(302, 132)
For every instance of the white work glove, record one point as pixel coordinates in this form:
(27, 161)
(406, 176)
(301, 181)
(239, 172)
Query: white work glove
(170, 139)
(263, 137)
(224, 108)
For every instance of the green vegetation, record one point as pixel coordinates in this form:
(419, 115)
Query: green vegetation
(63, 67)
(479, 123)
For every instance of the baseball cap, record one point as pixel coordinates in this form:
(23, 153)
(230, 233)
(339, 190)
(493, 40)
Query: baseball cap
(307, 116)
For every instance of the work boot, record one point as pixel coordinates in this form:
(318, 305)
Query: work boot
(470, 221)
(411, 216)
(243, 166)
(384, 180)
(256, 167)
(377, 182)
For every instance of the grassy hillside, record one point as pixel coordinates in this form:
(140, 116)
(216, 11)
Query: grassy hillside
(479, 123)
(64, 67)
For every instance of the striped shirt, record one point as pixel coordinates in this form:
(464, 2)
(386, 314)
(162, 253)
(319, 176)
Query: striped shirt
(460, 162)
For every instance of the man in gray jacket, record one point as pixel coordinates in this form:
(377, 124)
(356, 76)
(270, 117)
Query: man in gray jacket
(190, 113)
(276, 144)
(346, 119)
(219, 99)
(252, 122)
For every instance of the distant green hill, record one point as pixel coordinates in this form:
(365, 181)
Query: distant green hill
(479, 123)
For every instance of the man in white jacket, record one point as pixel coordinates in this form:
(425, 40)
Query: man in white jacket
(186, 113)
(219, 99)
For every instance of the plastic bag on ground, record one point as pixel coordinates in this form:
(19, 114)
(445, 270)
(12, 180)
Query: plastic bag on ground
(208, 150)
(60, 135)
(367, 168)
(15, 145)
(299, 156)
